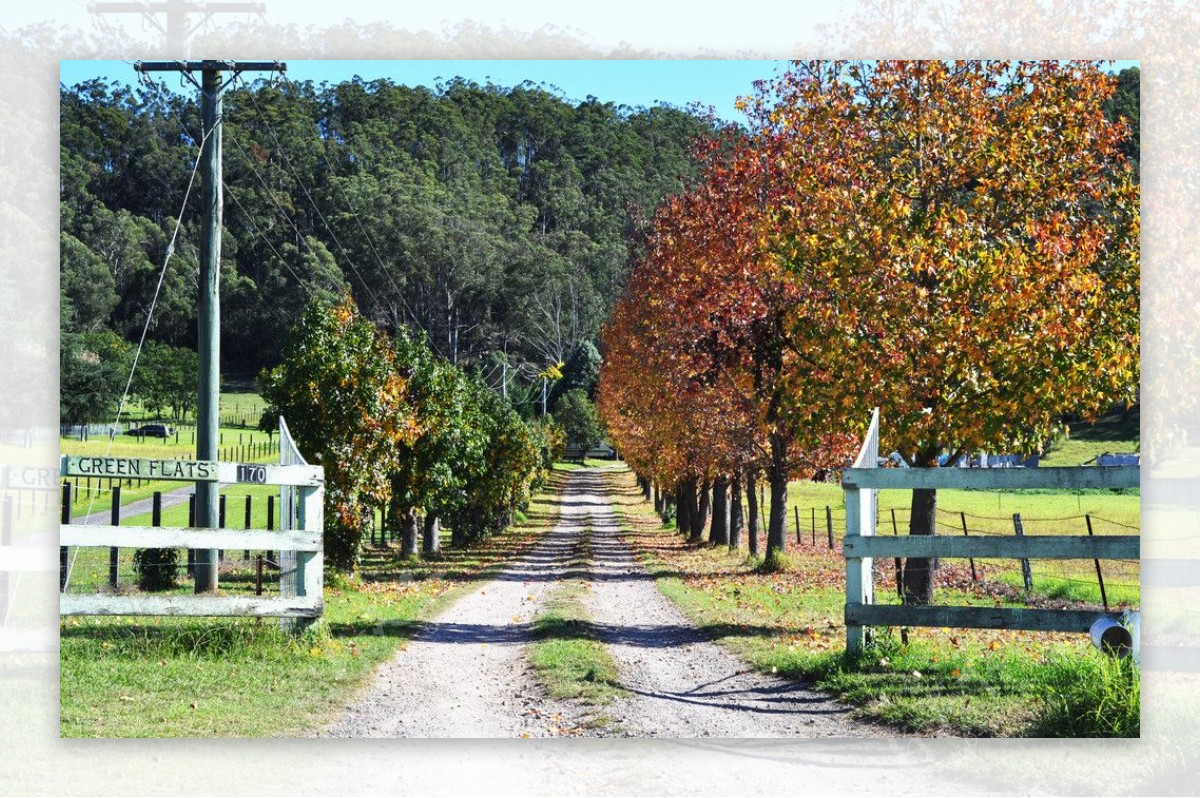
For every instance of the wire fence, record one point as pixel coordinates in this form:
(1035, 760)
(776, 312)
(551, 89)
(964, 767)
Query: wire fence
(1037, 582)
(108, 569)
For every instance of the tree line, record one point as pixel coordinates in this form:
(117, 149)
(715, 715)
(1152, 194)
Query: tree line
(954, 243)
(493, 221)
(399, 428)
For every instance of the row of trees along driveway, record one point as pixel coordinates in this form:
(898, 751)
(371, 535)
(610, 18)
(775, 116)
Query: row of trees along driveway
(955, 243)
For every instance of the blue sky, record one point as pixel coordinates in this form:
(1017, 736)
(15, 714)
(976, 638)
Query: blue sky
(716, 83)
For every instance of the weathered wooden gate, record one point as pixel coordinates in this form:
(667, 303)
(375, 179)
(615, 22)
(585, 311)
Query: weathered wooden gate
(301, 534)
(864, 479)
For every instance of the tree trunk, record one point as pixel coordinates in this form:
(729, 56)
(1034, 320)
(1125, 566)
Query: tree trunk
(754, 527)
(430, 544)
(917, 580)
(777, 477)
(736, 520)
(777, 519)
(718, 532)
(647, 493)
(695, 526)
(700, 520)
(408, 533)
(685, 500)
(659, 507)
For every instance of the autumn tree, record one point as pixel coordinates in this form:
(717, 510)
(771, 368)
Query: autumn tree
(349, 410)
(967, 233)
(702, 382)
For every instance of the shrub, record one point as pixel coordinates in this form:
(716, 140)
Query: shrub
(157, 569)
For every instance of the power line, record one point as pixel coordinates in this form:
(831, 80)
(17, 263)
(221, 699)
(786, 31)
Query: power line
(353, 214)
(288, 163)
(256, 229)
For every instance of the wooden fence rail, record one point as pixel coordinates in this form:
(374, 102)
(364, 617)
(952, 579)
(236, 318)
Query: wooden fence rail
(860, 545)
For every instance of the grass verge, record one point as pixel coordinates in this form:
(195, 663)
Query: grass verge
(590, 462)
(174, 677)
(788, 621)
(570, 662)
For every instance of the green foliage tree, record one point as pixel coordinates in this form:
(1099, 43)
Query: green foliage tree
(86, 286)
(92, 371)
(579, 419)
(1126, 105)
(434, 471)
(502, 480)
(438, 207)
(166, 378)
(580, 371)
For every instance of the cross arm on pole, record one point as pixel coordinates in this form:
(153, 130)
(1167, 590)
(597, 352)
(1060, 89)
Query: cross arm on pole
(194, 66)
(235, 68)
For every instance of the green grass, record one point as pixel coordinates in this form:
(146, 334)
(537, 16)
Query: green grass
(570, 662)
(788, 621)
(1116, 432)
(242, 403)
(219, 678)
(1102, 701)
(563, 465)
(178, 677)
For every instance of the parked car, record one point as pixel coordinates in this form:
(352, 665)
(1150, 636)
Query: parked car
(151, 431)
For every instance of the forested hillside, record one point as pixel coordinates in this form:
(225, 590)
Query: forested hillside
(497, 220)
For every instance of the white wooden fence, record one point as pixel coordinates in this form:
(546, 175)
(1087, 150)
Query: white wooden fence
(305, 538)
(860, 485)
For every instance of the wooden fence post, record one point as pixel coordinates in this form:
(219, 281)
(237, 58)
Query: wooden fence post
(191, 553)
(309, 564)
(1026, 573)
(829, 524)
(971, 560)
(813, 527)
(899, 571)
(247, 524)
(1099, 574)
(799, 539)
(6, 527)
(62, 550)
(114, 553)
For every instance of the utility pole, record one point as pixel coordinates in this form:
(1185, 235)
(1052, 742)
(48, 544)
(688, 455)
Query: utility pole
(177, 13)
(211, 87)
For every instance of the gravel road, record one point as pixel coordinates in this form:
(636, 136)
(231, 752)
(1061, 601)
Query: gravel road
(465, 673)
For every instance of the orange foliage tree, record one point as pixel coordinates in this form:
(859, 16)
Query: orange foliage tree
(700, 381)
(970, 231)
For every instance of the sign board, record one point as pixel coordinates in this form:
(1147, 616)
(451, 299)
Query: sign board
(190, 471)
(254, 474)
(141, 468)
(18, 477)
